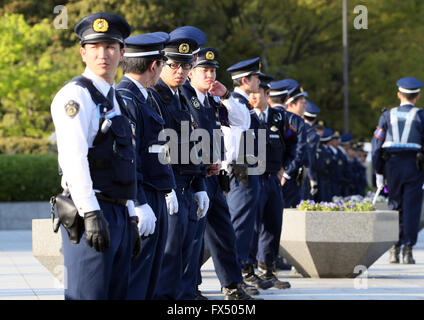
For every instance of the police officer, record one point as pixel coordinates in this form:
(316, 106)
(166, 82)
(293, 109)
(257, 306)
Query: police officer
(345, 147)
(193, 201)
(244, 191)
(142, 65)
(359, 169)
(325, 166)
(293, 175)
(338, 176)
(310, 185)
(280, 150)
(397, 156)
(96, 156)
(219, 237)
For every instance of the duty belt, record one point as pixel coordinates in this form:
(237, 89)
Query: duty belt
(121, 202)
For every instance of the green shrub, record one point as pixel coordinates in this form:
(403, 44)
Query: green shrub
(24, 145)
(28, 177)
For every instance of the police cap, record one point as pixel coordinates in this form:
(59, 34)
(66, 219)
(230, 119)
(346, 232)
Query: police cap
(409, 85)
(102, 26)
(147, 45)
(311, 109)
(207, 57)
(244, 68)
(190, 32)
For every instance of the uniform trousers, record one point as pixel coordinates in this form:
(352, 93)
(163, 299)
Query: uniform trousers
(145, 270)
(92, 275)
(182, 227)
(269, 221)
(291, 193)
(404, 183)
(243, 205)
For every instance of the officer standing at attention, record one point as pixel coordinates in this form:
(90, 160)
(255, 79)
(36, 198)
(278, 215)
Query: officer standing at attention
(310, 185)
(243, 196)
(280, 150)
(93, 139)
(142, 65)
(397, 156)
(217, 229)
(325, 166)
(345, 147)
(338, 177)
(293, 174)
(193, 201)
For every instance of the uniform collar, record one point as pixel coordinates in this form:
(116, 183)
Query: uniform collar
(98, 82)
(139, 86)
(406, 104)
(241, 92)
(258, 112)
(333, 149)
(201, 96)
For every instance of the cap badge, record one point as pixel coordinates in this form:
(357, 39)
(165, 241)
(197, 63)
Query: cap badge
(100, 25)
(301, 89)
(184, 48)
(210, 55)
(72, 108)
(321, 123)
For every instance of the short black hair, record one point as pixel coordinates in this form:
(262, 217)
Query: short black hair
(136, 65)
(409, 96)
(238, 83)
(277, 99)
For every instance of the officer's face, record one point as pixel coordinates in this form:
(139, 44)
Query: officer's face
(202, 78)
(174, 77)
(102, 58)
(259, 99)
(298, 107)
(252, 83)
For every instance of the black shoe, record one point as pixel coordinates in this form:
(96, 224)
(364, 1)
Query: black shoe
(254, 280)
(266, 273)
(236, 293)
(407, 255)
(250, 290)
(275, 282)
(199, 296)
(394, 254)
(281, 264)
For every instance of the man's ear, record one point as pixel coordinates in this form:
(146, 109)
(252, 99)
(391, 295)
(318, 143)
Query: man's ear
(122, 55)
(83, 52)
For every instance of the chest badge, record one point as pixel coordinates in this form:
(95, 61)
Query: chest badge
(195, 102)
(72, 108)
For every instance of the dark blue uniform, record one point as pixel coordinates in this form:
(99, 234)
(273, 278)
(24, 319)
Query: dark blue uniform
(312, 140)
(89, 273)
(154, 181)
(400, 134)
(325, 168)
(189, 179)
(243, 201)
(218, 231)
(280, 150)
(292, 187)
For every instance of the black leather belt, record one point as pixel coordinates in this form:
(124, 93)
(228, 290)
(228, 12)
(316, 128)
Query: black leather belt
(121, 202)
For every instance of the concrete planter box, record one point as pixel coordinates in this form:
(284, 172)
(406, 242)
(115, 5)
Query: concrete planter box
(336, 244)
(18, 215)
(47, 247)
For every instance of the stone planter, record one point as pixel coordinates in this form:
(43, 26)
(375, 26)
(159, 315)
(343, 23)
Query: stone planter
(47, 247)
(336, 244)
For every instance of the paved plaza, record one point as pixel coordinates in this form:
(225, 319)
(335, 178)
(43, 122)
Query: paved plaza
(22, 277)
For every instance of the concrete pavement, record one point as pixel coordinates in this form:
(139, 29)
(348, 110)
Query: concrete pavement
(22, 277)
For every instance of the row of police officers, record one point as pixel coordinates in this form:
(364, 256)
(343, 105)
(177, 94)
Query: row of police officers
(150, 195)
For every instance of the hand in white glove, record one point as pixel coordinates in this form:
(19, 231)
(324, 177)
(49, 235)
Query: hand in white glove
(314, 187)
(202, 200)
(379, 180)
(172, 202)
(146, 219)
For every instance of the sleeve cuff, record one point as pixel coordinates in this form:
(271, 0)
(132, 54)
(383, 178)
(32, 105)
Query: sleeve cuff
(285, 175)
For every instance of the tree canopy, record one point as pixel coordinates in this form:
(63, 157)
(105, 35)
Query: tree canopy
(299, 39)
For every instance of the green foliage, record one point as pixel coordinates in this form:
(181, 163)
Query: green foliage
(300, 39)
(28, 177)
(24, 145)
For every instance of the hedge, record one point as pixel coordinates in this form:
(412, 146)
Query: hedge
(25, 145)
(28, 177)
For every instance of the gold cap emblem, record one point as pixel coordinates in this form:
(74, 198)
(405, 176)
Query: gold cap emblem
(100, 25)
(301, 89)
(210, 55)
(184, 48)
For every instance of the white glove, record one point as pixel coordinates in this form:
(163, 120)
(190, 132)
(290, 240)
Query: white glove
(146, 219)
(379, 180)
(202, 200)
(172, 202)
(314, 187)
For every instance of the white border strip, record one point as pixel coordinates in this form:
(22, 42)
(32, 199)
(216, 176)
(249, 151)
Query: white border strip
(409, 91)
(141, 54)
